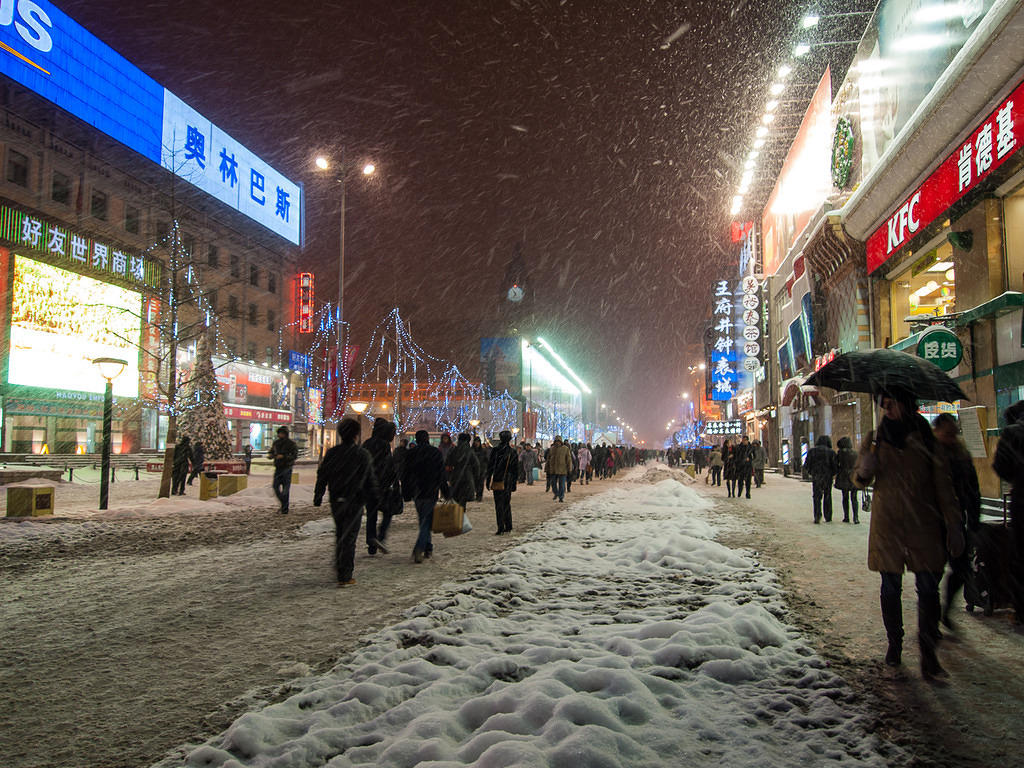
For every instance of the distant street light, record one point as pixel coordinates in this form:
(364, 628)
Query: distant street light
(110, 369)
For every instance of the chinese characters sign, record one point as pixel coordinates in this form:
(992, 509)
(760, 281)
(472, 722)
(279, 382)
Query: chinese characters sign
(304, 305)
(723, 349)
(64, 63)
(988, 147)
(942, 347)
(82, 253)
(733, 427)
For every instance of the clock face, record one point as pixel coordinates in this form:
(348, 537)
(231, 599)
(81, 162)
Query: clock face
(515, 293)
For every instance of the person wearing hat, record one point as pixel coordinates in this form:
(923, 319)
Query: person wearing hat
(502, 475)
(284, 452)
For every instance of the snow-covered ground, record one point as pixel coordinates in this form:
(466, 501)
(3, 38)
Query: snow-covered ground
(619, 633)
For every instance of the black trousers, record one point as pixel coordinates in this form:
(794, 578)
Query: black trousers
(503, 510)
(743, 481)
(347, 519)
(822, 492)
(372, 529)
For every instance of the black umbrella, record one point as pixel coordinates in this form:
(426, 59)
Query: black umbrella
(887, 370)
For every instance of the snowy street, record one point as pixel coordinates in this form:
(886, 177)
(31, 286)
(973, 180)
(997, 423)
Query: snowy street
(648, 622)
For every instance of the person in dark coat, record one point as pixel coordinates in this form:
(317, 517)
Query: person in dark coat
(1009, 465)
(462, 469)
(846, 460)
(247, 455)
(399, 454)
(743, 469)
(729, 467)
(758, 458)
(503, 467)
(821, 466)
(284, 452)
(423, 479)
(968, 494)
(379, 448)
(347, 472)
(198, 457)
(481, 466)
(179, 468)
(915, 521)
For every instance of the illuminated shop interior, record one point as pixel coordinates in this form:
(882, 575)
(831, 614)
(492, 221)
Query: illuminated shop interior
(925, 290)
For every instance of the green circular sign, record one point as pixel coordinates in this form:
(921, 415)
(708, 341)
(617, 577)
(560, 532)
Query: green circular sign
(942, 347)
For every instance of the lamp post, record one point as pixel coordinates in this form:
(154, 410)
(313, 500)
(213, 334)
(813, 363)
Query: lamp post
(474, 423)
(324, 164)
(110, 369)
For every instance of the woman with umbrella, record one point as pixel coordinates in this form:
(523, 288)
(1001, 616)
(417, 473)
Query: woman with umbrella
(914, 519)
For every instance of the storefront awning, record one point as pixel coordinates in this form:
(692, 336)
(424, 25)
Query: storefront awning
(1000, 305)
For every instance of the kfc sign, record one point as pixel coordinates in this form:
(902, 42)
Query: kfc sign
(984, 150)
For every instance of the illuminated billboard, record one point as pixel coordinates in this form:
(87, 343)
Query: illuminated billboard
(61, 322)
(46, 51)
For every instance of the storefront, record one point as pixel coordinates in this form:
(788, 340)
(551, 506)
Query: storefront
(67, 300)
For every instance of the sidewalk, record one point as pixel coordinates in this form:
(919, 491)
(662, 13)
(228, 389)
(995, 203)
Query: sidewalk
(972, 721)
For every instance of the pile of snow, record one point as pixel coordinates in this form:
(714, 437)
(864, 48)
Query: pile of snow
(618, 633)
(658, 472)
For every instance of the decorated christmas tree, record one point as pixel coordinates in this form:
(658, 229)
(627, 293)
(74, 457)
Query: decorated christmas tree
(200, 410)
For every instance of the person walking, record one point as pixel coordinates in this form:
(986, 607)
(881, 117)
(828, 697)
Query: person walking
(528, 458)
(729, 467)
(716, 464)
(758, 459)
(198, 457)
(502, 473)
(915, 520)
(247, 455)
(347, 473)
(390, 496)
(179, 467)
(1009, 465)
(284, 452)
(968, 495)
(481, 466)
(585, 457)
(744, 461)
(559, 467)
(846, 460)
(423, 480)
(821, 465)
(462, 469)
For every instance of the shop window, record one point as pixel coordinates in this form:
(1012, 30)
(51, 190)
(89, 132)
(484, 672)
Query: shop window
(233, 312)
(98, 206)
(236, 266)
(269, 357)
(17, 168)
(60, 188)
(271, 282)
(271, 317)
(1013, 224)
(925, 291)
(254, 275)
(188, 246)
(132, 219)
(213, 256)
(251, 351)
(253, 314)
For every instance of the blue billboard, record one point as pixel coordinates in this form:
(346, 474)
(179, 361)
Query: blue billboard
(46, 51)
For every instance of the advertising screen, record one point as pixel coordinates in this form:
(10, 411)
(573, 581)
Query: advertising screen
(61, 322)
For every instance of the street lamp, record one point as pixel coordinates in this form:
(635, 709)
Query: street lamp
(474, 423)
(324, 164)
(110, 369)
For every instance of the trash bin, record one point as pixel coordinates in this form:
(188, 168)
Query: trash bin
(29, 501)
(208, 485)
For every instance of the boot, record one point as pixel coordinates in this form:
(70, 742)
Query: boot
(928, 611)
(892, 618)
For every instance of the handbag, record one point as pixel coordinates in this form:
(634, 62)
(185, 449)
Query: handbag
(499, 485)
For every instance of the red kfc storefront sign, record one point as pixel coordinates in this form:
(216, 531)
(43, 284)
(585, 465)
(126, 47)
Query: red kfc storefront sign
(989, 146)
(247, 413)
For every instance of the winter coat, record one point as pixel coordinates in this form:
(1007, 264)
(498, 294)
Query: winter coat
(481, 467)
(423, 473)
(528, 459)
(716, 458)
(198, 457)
(743, 461)
(379, 447)
(913, 503)
(182, 456)
(846, 460)
(559, 459)
(347, 472)
(584, 458)
(758, 458)
(503, 463)
(284, 452)
(462, 468)
(1009, 465)
(821, 461)
(728, 462)
(965, 482)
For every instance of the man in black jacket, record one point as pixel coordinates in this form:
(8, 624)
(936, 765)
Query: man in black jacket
(503, 469)
(821, 465)
(743, 468)
(347, 472)
(284, 452)
(422, 480)
(390, 499)
(1009, 465)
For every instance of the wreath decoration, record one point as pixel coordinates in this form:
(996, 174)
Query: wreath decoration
(842, 153)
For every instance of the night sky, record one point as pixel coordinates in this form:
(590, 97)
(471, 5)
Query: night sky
(589, 149)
